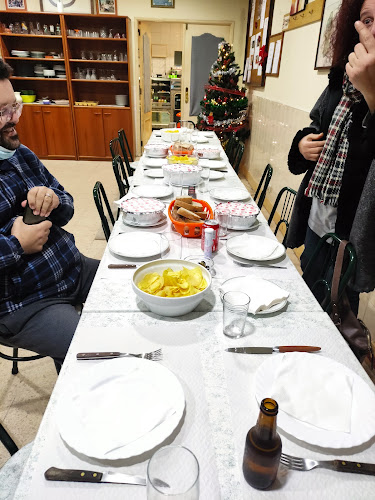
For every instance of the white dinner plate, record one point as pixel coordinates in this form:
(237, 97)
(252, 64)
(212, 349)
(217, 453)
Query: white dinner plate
(362, 422)
(156, 173)
(138, 244)
(106, 380)
(244, 247)
(163, 220)
(153, 162)
(230, 194)
(152, 190)
(239, 228)
(210, 135)
(270, 310)
(216, 175)
(202, 139)
(214, 164)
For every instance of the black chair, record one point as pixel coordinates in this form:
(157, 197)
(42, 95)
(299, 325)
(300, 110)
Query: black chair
(321, 285)
(116, 150)
(121, 175)
(263, 186)
(230, 147)
(285, 198)
(15, 358)
(124, 144)
(239, 150)
(100, 197)
(7, 441)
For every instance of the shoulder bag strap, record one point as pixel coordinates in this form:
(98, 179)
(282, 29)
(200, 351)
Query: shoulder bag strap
(335, 315)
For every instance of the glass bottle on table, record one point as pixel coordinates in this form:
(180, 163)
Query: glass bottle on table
(263, 448)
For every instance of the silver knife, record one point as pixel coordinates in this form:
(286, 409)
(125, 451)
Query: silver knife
(270, 350)
(89, 476)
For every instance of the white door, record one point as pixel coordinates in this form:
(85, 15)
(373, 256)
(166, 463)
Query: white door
(220, 31)
(145, 83)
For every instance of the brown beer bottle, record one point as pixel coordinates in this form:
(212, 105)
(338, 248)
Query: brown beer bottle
(262, 448)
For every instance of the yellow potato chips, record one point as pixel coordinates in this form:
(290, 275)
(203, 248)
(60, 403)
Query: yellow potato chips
(174, 283)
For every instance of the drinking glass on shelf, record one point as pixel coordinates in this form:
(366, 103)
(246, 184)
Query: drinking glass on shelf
(110, 33)
(83, 54)
(101, 74)
(88, 75)
(115, 58)
(93, 74)
(91, 56)
(113, 76)
(173, 472)
(104, 56)
(109, 57)
(103, 32)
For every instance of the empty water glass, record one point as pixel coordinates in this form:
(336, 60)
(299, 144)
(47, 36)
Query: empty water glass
(205, 178)
(223, 223)
(173, 472)
(235, 308)
(170, 245)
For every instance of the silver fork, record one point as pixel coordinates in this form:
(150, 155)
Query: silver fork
(152, 356)
(303, 464)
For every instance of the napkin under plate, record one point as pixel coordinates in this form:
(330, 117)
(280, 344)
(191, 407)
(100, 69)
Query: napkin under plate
(313, 393)
(263, 294)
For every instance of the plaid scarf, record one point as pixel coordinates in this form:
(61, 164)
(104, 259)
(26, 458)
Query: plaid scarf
(325, 182)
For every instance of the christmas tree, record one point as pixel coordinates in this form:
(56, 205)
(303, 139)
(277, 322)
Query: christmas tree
(224, 106)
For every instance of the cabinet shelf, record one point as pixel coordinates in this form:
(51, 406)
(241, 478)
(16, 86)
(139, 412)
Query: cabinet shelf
(97, 80)
(23, 35)
(99, 61)
(97, 38)
(38, 79)
(33, 59)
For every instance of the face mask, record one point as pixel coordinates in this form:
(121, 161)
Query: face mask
(5, 154)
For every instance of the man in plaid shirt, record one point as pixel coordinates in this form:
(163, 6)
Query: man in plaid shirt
(42, 273)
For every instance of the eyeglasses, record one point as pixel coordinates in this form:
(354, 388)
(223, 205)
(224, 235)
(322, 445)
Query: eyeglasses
(7, 112)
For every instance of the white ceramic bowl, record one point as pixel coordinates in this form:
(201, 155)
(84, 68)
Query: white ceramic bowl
(169, 306)
(209, 153)
(170, 134)
(180, 174)
(241, 215)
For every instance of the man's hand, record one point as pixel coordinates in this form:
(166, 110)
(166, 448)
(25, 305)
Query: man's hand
(31, 238)
(42, 200)
(310, 146)
(360, 67)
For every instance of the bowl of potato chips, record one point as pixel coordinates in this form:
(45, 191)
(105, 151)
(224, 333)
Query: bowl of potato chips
(171, 287)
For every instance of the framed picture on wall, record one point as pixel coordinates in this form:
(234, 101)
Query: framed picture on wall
(73, 6)
(323, 54)
(106, 7)
(163, 3)
(15, 5)
(297, 6)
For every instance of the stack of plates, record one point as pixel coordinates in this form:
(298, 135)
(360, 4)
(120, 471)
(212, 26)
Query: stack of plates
(229, 194)
(246, 247)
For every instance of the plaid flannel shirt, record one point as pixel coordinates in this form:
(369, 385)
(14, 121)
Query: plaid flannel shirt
(53, 272)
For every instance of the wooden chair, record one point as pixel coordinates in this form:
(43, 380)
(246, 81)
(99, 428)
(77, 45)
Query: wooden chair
(121, 175)
(240, 148)
(321, 285)
(7, 441)
(100, 197)
(286, 199)
(15, 358)
(263, 186)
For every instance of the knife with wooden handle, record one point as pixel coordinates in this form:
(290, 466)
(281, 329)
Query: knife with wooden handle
(270, 350)
(89, 476)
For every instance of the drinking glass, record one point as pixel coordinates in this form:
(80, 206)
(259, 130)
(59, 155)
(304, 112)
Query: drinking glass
(173, 472)
(223, 223)
(172, 125)
(205, 178)
(170, 245)
(235, 307)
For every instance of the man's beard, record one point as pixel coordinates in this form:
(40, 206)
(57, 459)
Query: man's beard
(6, 141)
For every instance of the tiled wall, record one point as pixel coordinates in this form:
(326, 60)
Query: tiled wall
(169, 34)
(273, 126)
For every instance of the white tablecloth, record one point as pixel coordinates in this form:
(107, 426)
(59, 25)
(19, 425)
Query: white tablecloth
(218, 386)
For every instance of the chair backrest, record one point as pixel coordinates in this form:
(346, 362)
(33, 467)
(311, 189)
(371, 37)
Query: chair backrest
(240, 148)
(117, 149)
(100, 197)
(286, 199)
(321, 285)
(230, 147)
(263, 186)
(124, 144)
(121, 175)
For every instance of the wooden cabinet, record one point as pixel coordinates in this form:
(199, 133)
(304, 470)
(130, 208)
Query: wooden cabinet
(48, 131)
(90, 55)
(90, 133)
(30, 130)
(96, 127)
(58, 129)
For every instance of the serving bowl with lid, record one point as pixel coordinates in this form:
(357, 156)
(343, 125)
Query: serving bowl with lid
(142, 211)
(156, 150)
(180, 174)
(241, 215)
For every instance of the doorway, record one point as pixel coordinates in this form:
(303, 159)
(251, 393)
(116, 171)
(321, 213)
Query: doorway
(165, 68)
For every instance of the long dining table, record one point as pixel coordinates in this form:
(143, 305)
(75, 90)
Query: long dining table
(220, 405)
